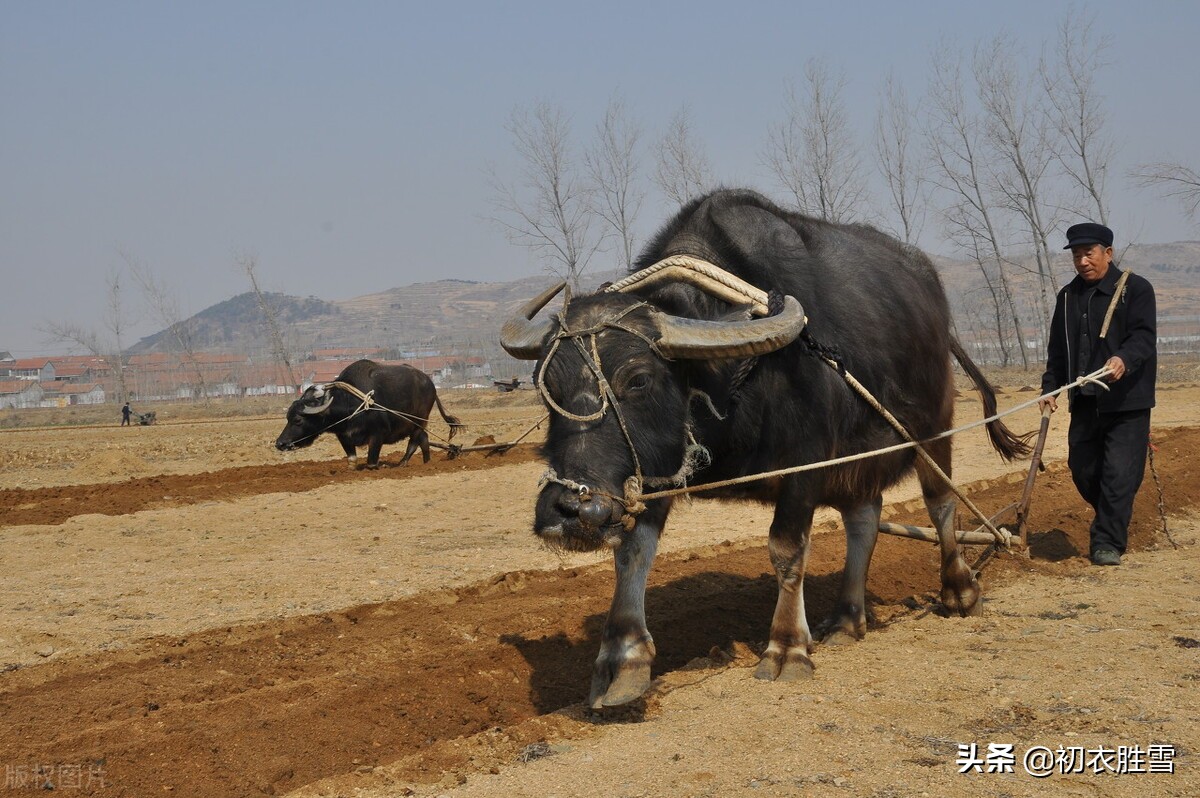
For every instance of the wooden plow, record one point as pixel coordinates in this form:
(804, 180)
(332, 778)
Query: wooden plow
(980, 536)
(453, 450)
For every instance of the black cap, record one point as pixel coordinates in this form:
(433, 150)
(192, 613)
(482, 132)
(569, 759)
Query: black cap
(1088, 233)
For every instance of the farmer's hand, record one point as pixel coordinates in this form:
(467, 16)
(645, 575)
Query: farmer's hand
(1117, 365)
(1050, 402)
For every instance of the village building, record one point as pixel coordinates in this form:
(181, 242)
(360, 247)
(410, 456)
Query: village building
(64, 394)
(29, 368)
(18, 394)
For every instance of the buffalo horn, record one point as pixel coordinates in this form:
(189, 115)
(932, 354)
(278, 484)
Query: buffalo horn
(321, 408)
(519, 336)
(693, 339)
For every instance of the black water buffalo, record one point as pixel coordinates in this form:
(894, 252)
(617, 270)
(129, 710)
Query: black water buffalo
(637, 380)
(402, 398)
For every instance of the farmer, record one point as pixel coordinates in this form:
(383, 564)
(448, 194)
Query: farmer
(125, 412)
(1110, 430)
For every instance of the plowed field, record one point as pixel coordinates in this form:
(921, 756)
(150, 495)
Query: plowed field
(217, 630)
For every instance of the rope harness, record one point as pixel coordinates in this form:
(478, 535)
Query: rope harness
(697, 456)
(694, 453)
(367, 402)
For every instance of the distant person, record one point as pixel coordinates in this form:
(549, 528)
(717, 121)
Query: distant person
(1110, 430)
(125, 413)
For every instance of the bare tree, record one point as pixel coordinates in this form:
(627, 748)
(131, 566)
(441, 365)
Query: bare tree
(612, 164)
(549, 211)
(164, 306)
(682, 170)
(954, 142)
(279, 351)
(1075, 107)
(896, 160)
(1173, 180)
(812, 151)
(109, 345)
(1019, 137)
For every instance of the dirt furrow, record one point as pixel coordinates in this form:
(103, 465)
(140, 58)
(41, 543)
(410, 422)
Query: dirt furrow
(262, 708)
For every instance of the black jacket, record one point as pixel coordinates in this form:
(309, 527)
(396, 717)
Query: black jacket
(1132, 336)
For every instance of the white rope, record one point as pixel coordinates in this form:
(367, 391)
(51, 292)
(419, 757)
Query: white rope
(1093, 378)
(369, 403)
(733, 289)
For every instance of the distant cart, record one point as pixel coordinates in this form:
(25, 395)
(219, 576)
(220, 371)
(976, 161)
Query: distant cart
(146, 419)
(507, 386)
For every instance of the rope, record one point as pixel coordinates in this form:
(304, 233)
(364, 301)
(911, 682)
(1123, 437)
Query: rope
(608, 399)
(369, 403)
(1094, 377)
(1002, 536)
(1112, 306)
(731, 288)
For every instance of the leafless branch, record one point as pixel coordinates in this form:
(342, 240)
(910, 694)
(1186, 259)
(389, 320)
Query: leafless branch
(954, 140)
(1018, 136)
(682, 170)
(549, 211)
(109, 345)
(279, 351)
(1075, 110)
(896, 161)
(1173, 180)
(164, 306)
(812, 151)
(612, 164)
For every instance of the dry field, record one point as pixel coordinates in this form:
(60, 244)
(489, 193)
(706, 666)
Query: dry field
(188, 612)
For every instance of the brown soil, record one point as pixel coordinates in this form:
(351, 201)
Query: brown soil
(157, 634)
(56, 504)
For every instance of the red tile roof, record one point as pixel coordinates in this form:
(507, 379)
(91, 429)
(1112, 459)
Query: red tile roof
(16, 386)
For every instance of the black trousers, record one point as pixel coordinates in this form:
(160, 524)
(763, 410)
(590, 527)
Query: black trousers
(1107, 458)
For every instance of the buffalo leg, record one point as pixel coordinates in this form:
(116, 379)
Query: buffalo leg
(787, 654)
(351, 453)
(413, 442)
(960, 589)
(622, 670)
(849, 619)
(423, 440)
(374, 447)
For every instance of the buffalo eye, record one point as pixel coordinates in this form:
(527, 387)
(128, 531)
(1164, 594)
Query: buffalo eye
(638, 382)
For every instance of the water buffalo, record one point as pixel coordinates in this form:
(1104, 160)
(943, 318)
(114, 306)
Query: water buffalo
(640, 382)
(403, 389)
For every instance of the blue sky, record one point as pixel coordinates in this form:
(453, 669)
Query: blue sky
(345, 144)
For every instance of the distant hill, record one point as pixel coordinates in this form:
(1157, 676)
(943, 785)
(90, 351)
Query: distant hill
(449, 316)
(1174, 270)
(459, 316)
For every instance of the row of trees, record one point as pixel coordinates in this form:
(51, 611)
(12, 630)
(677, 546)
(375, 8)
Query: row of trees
(109, 340)
(999, 150)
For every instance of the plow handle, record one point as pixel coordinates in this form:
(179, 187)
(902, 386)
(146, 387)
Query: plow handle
(1035, 465)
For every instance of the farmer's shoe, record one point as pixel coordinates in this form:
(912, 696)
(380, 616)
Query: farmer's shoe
(1106, 557)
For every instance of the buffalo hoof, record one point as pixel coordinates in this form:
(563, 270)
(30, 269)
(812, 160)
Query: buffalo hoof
(630, 684)
(960, 589)
(843, 628)
(621, 674)
(839, 637)
(792, 665)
